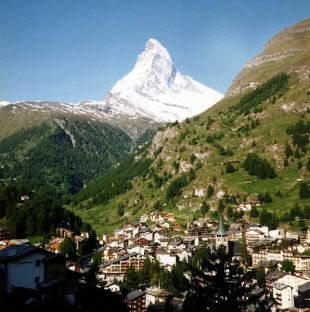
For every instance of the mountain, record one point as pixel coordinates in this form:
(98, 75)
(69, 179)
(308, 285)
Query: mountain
(64, 153)
(252, 146)
(155, 89)
(20, 115)
(153, 93)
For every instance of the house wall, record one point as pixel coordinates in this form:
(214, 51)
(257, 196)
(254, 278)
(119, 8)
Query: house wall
(22, 271)
(283, 297)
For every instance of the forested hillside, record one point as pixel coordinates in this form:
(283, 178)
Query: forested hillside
(64, 153)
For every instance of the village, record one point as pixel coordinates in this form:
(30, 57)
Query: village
(284, 258)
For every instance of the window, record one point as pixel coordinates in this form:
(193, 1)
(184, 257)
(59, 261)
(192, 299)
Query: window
(37, 279)
(38, 262)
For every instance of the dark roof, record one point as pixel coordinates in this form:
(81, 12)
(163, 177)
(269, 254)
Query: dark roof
(304, 287)
(135, 294)
(13, 252)
(275, 275)
(53, 257)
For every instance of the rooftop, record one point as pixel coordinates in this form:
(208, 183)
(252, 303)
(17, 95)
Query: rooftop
(221, 229)
(135, 294)
(15, 251)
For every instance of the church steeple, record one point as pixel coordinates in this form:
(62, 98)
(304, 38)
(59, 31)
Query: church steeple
(221, 234)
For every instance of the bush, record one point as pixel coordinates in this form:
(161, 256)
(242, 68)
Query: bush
(304, 190)
(258, 166)
(230, 168)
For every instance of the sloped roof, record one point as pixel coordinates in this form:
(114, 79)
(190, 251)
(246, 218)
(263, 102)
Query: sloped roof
(13, 252)
(135, 294)
(221, 229)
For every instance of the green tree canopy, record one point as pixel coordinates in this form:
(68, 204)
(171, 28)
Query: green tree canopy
(224, 285)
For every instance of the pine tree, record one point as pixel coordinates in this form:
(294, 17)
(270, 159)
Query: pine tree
(210, 191)
(230, 168)
(204, 208)
(224, 286)
(304, 190)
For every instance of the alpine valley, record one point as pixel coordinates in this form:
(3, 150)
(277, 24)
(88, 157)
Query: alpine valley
(160, 140)
(251, 147)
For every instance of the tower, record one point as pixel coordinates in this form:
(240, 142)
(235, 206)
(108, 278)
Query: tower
(221, 235)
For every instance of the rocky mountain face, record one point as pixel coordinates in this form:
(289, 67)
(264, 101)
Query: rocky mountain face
(155, 89)
(289, 50)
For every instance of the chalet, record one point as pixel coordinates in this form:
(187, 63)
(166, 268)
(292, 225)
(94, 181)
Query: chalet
(64, 233)
(138, 300)
(54, 244)
(146, 233)
(177, 227)
(141, 241)
(156, 217)
(198, 231)
(27, 266)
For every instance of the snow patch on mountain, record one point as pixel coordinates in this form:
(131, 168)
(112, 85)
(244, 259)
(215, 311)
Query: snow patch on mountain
(4, 103)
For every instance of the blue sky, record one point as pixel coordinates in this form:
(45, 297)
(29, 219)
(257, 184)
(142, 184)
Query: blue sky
(72, 50)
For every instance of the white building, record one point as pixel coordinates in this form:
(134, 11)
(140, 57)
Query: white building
(285, 289)
(283, 295)
(165, 258)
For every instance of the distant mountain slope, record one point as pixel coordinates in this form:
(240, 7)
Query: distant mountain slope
(63, 152)
(20, 115)
(255, 140)
(155, 89)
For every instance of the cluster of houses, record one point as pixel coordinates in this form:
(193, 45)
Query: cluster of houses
(42, 267)
(133, 243)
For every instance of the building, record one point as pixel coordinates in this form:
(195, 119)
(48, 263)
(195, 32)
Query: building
(283, 295)
(301, 261)
(116, 268)
(63, 232)
(252, 235)
(221, 237)
(286, 288)
(165, 258)
(28, 266)
(302, 300)
(138, 300)
(198, 231)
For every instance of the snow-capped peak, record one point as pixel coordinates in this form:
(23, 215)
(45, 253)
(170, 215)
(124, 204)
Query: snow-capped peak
(156, 89)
